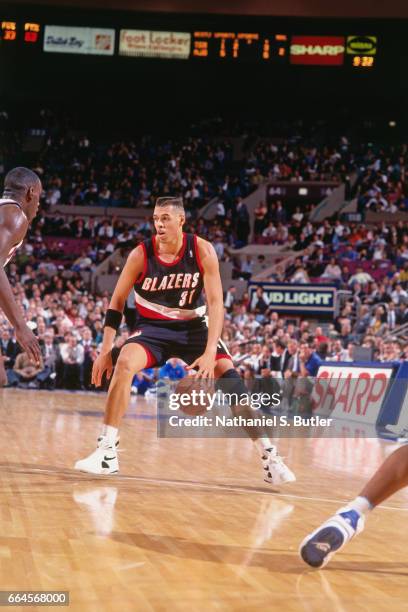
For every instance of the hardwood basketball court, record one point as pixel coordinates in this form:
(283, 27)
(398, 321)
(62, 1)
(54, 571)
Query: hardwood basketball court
(187, 524)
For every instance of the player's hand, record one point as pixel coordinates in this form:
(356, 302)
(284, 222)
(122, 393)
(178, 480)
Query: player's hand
(205, 365)
(29, 343)
(102, 364)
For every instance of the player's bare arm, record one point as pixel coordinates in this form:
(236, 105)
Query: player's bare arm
(215, 303)
(131, 271)
(14, 225)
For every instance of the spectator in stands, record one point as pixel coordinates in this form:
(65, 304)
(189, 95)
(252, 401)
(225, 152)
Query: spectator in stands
(260, 221)
(280, 357)
(9, 348)
(259, 304)
(350, 253)
(300, 276)
(322, 350)
(391, 316)
(172, 370)
(247, 268)
(402, 315)
(89, 357)
(360, 277)
(292, 365)
(338, 352)
(219, 247)
(389, 351)
(377, 322)
(377, 203)
(298, 215)
(230, 298)
(270, 232)
(332, 271)
(279, 215)
(399, 295)
(242, 224)
(51, 358)
(255, 358)
(309, 359)
(72, 356)
(143, 381)
(24, 373)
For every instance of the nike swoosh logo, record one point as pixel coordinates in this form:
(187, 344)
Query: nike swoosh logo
(109, 458)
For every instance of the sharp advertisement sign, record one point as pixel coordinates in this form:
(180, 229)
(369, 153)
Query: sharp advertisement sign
(317, 50)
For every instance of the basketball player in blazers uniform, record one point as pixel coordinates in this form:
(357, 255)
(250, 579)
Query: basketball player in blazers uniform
(168, 273)
(18, 207)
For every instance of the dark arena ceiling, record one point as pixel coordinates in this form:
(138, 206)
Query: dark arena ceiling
(290, 8)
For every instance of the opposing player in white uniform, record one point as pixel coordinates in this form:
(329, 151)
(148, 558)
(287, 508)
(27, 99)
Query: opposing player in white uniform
(18, 207)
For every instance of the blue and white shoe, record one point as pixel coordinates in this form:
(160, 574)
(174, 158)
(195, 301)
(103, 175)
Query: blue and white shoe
(318, 547)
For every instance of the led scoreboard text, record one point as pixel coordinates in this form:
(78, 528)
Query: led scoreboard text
(8, 30)
(31, 32)
(27, 32)
(239, 45)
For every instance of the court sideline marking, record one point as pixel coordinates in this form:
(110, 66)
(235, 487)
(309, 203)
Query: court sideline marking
(199, 485)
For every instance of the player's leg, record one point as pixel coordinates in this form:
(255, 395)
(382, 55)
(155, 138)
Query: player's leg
(389, 478)
(229, 381)
(318, 547)
(132, 358)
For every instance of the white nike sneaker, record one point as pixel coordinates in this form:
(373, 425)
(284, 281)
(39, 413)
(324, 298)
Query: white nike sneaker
(318, 547)
(104, 460)
(276, 471)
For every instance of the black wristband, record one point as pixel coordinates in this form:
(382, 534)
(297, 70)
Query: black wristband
(113, 319)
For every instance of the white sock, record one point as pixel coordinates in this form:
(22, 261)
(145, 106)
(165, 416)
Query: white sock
(361, 505)
(111, 434)
(263, 444)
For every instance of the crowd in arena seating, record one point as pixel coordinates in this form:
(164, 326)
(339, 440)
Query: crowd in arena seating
(136, 172)
(381, 182)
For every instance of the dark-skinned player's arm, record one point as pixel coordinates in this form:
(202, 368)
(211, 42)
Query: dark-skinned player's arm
(131, 272)
(205, 364)
(14, 226)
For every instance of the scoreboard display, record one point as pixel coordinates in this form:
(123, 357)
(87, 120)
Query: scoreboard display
(277, 48)
(252, 46)
(284, 49)
(13, 31)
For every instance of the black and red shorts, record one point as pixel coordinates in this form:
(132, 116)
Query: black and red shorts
(163, 340)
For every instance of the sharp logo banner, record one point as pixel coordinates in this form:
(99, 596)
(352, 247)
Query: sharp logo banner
(146, 43)
(298, 299)
(318, 50)
(351, 392)
(85, 41)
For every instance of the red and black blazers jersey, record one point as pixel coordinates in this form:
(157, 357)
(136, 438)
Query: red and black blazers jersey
(171, 291)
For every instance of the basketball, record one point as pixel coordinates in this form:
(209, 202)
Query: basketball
(193, 393)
